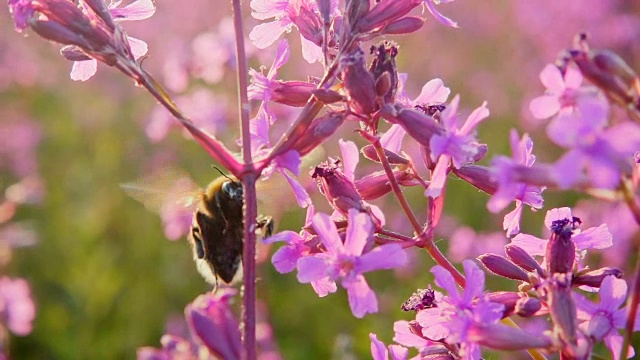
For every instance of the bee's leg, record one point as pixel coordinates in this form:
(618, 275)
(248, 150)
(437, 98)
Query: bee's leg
(265, 224)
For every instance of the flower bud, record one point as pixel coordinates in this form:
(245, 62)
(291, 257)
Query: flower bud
(308, 23)
(355, 10)
(385, 71)
(417, 124)
(385, 12)
(73, 53)
(560, 252)
(328, 96)
(337, 188)
(508, 299)
(502, 337)
(318, 131)
(211, 320)
(503, 267)
(606, 78)
(611, 63)
(522, 258)
(562, 307)
(292, 93)
(405, 25)
(594, 278)
(528, 306)
(369, 151)
(359, 84)
(375, 185)
(478, 176)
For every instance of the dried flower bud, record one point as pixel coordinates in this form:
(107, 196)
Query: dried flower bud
(385, 71)
(370, 153)
(522, 258)
(478, 176)
(421, 299)
(337, 188)
(594, 278)
(561, 250)
(528, 306)
(503, 267)
(359, 83)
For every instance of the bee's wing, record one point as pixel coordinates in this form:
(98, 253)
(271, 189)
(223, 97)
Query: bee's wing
(168, 188)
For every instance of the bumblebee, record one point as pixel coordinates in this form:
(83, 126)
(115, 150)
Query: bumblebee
(216, 232)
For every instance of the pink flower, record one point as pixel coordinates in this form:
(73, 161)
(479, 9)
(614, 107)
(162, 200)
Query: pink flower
(562, 91)
(602, 320)
(286, 14)
(592, 238)
(510, 190)
(138, 10)
(456, 145)
(16, 305)
(348, 261)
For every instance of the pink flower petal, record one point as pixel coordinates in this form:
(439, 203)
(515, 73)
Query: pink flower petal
(265, 34)
(544, 106)
(362, 299)
(432, 92)
(531, 244)
(551, 78)
(327, 231)
(594, 238)
(137, 10)
(83, 70)
(311, 268)
(139, 48)
(359, 231)
(387, 256)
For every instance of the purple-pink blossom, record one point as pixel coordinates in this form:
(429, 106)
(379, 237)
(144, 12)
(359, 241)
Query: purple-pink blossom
(458, 145)
(458, 316)
(603, 320)
(16, 305)
(348, 261)
(83, 70)
(510, 190)
(592, 238)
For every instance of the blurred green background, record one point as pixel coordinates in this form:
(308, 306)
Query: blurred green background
(105, 279)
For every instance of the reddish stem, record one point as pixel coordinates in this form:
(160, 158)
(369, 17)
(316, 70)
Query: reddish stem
(248, 178)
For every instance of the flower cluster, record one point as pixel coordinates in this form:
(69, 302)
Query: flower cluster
(410, 143)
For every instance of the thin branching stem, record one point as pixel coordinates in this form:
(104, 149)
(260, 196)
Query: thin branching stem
(248, 179)
(634, 300)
